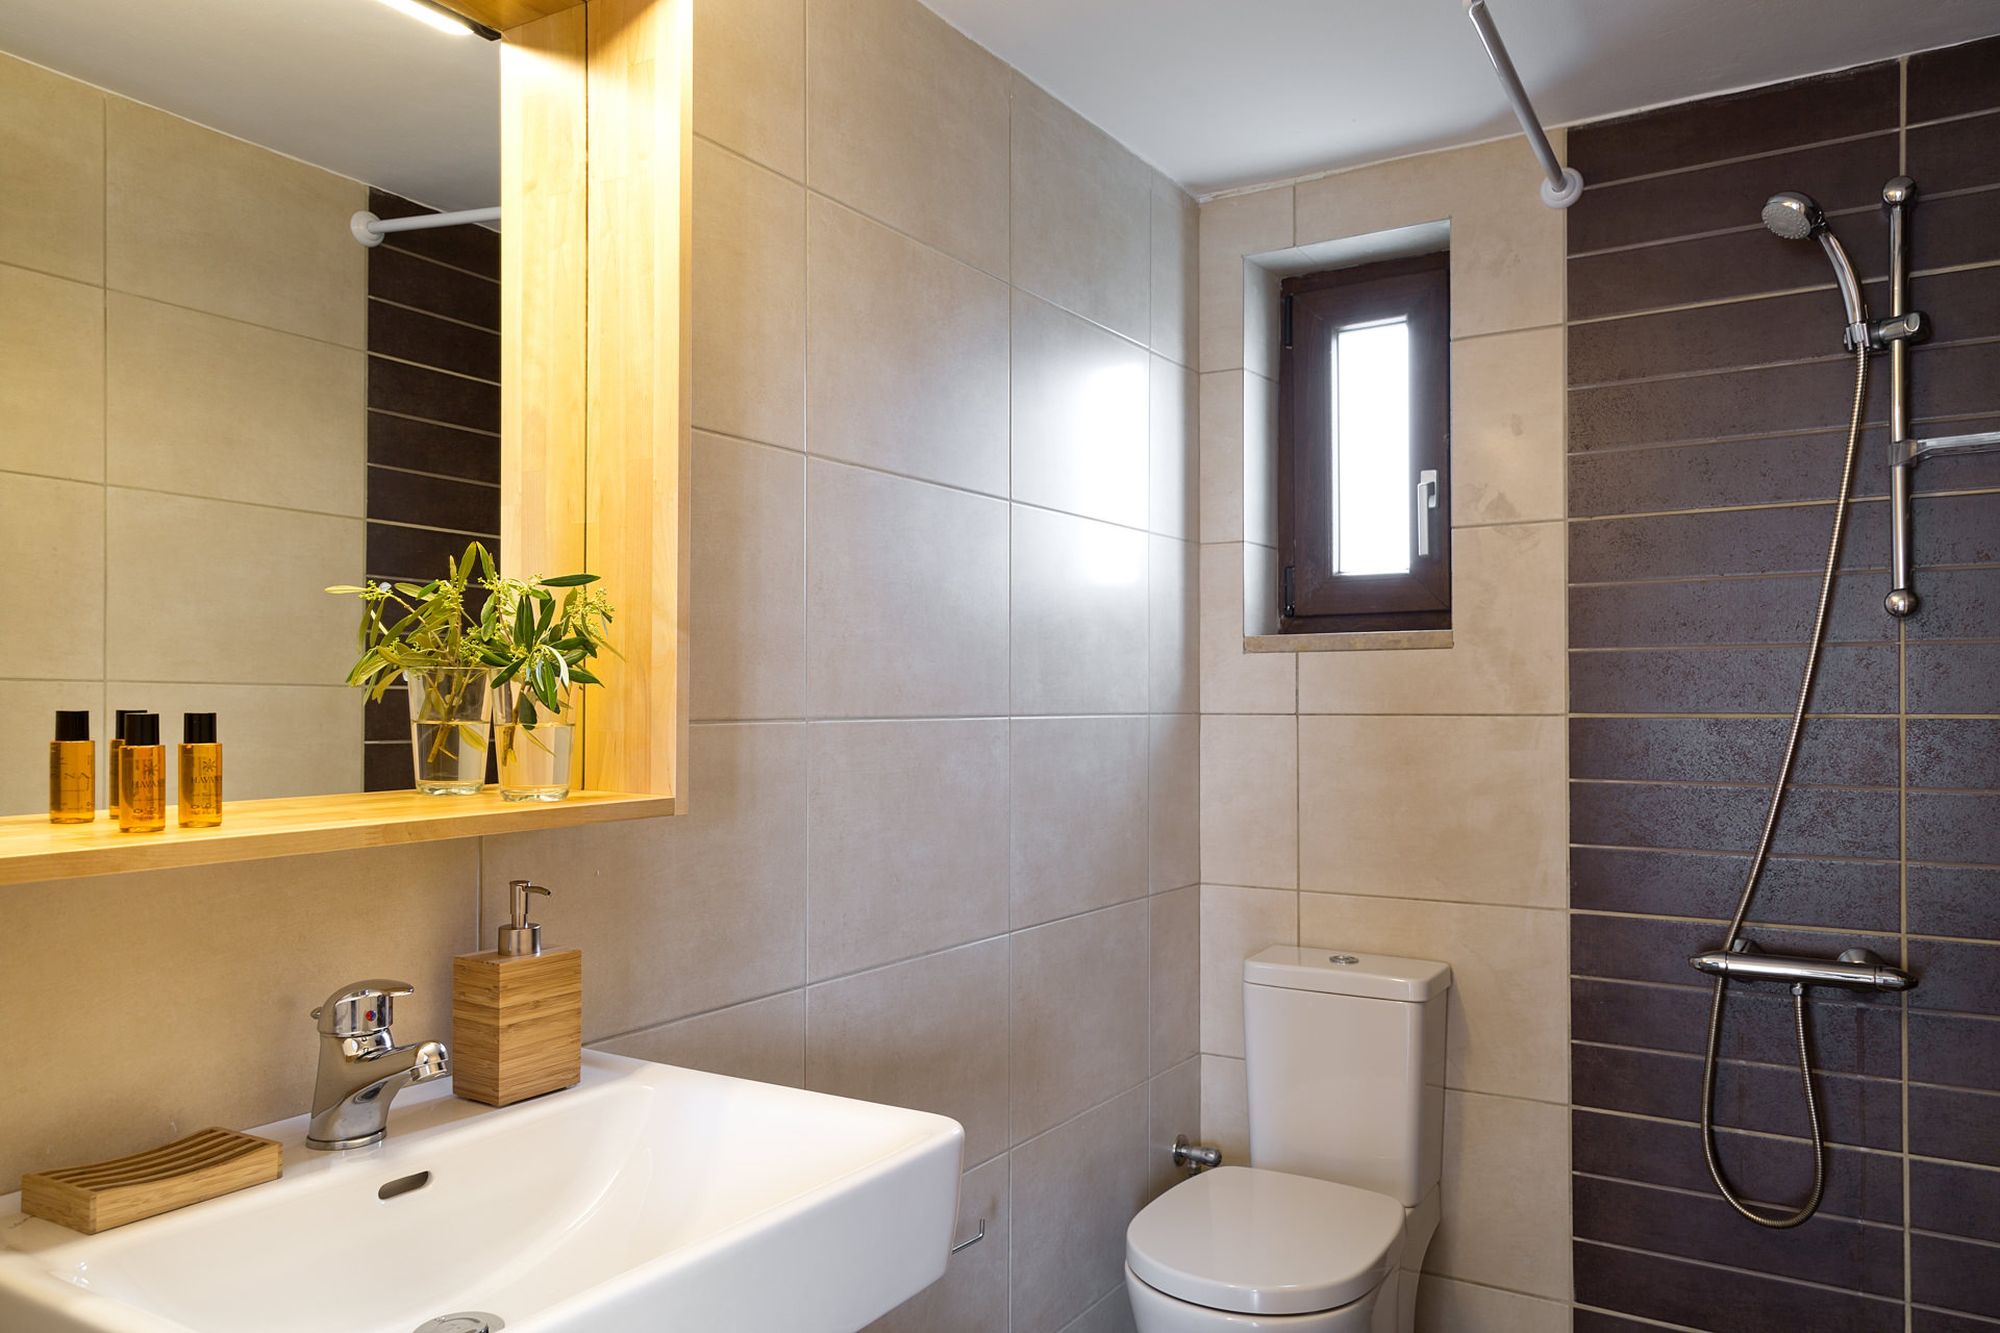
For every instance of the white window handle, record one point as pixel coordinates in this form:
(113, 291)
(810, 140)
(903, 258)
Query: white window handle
(1427, 500)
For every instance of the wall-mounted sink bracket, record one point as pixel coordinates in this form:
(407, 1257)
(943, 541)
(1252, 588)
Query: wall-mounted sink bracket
(1856, 969)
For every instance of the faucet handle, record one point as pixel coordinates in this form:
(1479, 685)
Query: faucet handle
(361, 1008)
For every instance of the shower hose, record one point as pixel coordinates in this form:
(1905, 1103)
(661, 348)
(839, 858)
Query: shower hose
(1783, 1220)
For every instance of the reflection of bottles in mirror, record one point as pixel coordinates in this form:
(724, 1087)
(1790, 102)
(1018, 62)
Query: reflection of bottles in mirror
(142, 776)
(201, 772)
(72, 769)
(111, 766)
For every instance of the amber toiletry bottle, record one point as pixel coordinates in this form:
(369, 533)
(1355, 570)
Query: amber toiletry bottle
(201, 772)
(142, 776)
(111, 765)
(72, 769)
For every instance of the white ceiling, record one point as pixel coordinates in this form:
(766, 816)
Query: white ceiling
(1216, 93)
(1221, 93)
(349, 85)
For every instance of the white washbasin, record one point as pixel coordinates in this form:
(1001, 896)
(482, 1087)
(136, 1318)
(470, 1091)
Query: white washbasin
(646, 1198)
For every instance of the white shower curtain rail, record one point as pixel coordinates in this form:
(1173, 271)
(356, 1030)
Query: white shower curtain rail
(1563, 184)
(369, 229)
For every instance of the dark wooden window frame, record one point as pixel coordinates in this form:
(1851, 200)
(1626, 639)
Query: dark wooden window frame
(1313, 597)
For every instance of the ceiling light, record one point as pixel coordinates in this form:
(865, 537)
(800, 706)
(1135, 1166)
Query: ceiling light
(434, 15)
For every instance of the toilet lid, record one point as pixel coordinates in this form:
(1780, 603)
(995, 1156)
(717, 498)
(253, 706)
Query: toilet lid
(1265, 1242)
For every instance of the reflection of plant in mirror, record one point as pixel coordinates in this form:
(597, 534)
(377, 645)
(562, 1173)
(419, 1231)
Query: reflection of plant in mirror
(543, 643)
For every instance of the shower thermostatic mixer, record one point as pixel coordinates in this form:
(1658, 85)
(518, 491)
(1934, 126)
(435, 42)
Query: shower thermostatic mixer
(1857, 969)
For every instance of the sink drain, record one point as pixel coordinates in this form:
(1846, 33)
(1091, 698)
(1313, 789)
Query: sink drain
(465, 1321)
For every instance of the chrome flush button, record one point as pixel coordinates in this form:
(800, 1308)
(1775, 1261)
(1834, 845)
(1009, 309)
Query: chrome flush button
(1344, 959)
(470, 1321)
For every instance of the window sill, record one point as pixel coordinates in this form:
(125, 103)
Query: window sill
(1393, 640)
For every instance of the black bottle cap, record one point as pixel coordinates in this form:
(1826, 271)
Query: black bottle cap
(118, 721)
(197, 728)
(73, 724)
(142, 729)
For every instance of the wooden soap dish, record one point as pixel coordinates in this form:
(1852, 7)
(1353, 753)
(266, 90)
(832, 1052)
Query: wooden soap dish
(109, 1194)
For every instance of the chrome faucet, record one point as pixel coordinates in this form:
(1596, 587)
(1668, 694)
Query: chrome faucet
(361, 1069)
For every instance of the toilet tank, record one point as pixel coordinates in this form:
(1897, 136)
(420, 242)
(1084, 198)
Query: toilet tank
(1346, 1064)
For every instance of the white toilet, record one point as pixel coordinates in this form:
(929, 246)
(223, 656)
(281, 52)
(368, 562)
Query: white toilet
(1325, 1230)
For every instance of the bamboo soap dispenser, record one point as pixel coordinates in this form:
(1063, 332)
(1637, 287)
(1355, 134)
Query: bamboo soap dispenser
(516, 1013)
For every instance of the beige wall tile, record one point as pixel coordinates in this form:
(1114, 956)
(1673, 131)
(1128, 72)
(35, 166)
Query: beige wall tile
(1079, 612)
(1230, 228)
(1173, 625)
(1077, 1020)
(1507, 428)
(1221, 408)
(909, 124)
(51, 372)
(1236, 924)
(762, 1040)
(24, 742)
(1249, 800)
(749, 299)
(1445, 1306)
(1176, 945)
(1260, 590)
(971, 1297)
(1467, 809)
(1078, 800)
(1506, 1218)
(1175, 255)
(261, 572)
(1080, 416)
(56, 529)
(277, 740)
(1261, 330)
(262, 941)
(748, 636)
(199, 219)
(51, 172)
(1176, 1110)
(1074, 1191)
(1233, 681)
(1509, 1012)
(1225, 1107)
(679, 916)
(907, 366)
(1082, 215)
(751, 92)
(909, 839)
(1174, 801)
(1111, 1314)
(1174, 419)
(906, 597)
(1260, 459)
(1509, 637)
(929, 1034)
(202, 405)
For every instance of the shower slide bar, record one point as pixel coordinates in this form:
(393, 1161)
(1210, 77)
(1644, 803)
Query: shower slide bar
(1563, 185)
(369, 229)
(1857, 969)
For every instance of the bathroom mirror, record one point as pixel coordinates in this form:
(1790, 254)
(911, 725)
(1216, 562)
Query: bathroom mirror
(214, 400)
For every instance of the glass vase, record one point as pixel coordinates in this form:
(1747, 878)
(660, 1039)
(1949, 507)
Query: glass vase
(534, 744)
(450, 711)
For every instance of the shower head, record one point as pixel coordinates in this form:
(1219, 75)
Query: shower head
(1796, 217)
(1793, 216)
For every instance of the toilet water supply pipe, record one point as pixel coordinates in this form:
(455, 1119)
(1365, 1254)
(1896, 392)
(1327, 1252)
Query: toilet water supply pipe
(1562, 185)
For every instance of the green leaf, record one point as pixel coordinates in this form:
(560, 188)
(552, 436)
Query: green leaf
(568, 580)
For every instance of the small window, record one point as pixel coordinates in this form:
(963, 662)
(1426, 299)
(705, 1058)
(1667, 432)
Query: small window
(1364, 491)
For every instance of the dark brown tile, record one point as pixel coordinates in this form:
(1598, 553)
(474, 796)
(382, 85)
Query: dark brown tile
(1955, 1274)
(1954, 230)
(1956, 1200)
(1756, 331)
(1835, 1251)
(1785, 540)
(1867, 1185)
(1733, 611)
(1958, 1125)
(1723, 1300)
(430, 395)
(1954, 677)
(406, 279)
(387, 719)
(1957, 604)
(415, 555)
(1953, 1050)
(1955, 900)
(411, 335)
(1958, 827)
(1737, 264)
(386, 766)
(1591, 1321)
(1956, 155)
(1853, 679)
(1732, 194)
(1954, 752)
(425, 446)
(426, 501)
(1761, 120)
(1848, 1037)
(473, 248)
(1957, 975)
(1955, 80)
(1861, 1112)
(1817, 821)
(1924, 1320)
(1846, 751)
(1861, 895)
(1809, 396)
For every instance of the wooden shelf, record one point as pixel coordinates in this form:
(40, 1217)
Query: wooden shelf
(31, 848)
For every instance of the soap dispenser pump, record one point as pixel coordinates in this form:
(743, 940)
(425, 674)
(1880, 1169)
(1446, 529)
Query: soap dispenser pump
(517, 1012)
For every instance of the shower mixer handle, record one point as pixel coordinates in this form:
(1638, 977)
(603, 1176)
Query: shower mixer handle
(1856, 969)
